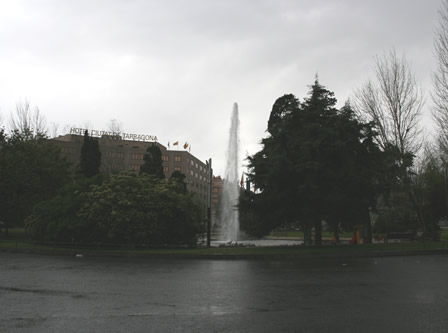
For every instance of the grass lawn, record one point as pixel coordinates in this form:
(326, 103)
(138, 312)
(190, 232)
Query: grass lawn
(17, 240)
(296, 251)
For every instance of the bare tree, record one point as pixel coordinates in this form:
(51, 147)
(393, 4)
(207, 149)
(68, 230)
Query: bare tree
(393, 101)
(27, 121)
(109, 162)
(54, 130)
(440, 79)
(115, 126)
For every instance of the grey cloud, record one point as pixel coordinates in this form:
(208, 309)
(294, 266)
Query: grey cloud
(172, 67)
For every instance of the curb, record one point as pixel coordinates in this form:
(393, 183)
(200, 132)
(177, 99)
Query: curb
(219, 256)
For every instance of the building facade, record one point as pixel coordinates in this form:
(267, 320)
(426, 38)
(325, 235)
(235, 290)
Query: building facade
(217, 187)
(118, 155)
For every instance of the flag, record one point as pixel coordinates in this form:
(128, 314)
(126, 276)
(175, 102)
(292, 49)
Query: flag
(242, 180)
(176, 143)
(185, 145)
(168, 145)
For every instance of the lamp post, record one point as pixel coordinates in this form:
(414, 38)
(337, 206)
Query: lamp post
(446, 192)
(209, 200)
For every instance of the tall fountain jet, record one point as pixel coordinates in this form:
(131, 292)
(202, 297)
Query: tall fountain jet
(230, 194)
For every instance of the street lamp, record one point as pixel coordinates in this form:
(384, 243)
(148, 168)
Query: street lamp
(209, 199)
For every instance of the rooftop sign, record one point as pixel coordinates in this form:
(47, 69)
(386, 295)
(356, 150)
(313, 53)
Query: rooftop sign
(119, 135)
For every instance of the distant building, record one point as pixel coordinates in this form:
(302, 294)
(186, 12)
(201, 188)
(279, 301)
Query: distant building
(119, 154)
(217, 187)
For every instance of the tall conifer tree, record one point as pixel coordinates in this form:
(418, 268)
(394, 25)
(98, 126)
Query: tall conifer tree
(153, 164)
(90, 156)
(316, 164)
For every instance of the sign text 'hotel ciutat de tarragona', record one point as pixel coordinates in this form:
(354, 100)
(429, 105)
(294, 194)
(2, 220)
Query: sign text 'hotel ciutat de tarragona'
(118, 136)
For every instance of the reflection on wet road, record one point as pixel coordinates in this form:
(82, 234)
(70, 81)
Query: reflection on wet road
(68, 294)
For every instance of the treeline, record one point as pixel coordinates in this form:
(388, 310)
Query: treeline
(367, 164)
(319, 163)
(57, 201)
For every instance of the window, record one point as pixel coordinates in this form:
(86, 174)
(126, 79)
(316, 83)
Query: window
(197, 165)
(192, 163)
(137, 156)
(135, 167)
(177, 159)
(165, 169)
(115, 155)
(165, 158)
(177, 169)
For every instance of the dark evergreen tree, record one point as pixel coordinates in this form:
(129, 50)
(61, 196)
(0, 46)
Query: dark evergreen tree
(433, 192)
(90, 160)
(315, 165)
(153, 164)
(31, 170)
(179, 178)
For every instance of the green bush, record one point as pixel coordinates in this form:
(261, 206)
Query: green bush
(129, 209)
(141, 210)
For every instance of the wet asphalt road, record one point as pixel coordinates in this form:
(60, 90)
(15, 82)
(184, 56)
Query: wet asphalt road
(67, 294)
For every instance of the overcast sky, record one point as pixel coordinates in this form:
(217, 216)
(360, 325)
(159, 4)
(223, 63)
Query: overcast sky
(174, 68)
